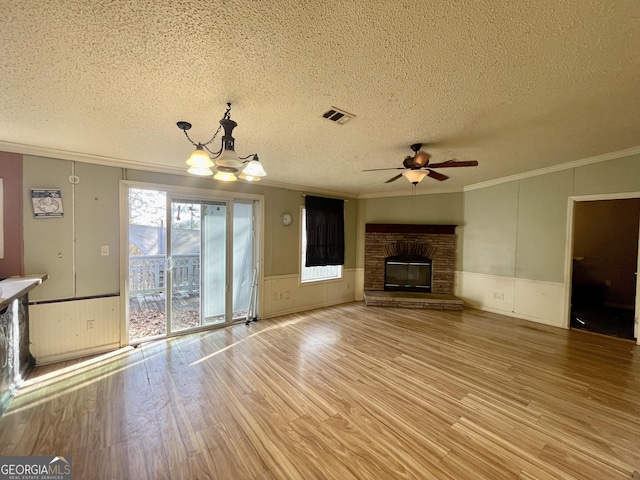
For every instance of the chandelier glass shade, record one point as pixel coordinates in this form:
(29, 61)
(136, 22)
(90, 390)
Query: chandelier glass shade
(228, 165)
(199, 162)
(228, 158)
(225, 176)
(254, 168)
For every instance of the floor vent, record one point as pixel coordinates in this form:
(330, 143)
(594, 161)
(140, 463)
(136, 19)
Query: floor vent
(338, 116)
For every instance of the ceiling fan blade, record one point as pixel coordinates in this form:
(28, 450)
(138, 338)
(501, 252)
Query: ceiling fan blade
(436, 175)
(379, 169)
(421, 159)
(393, 179)
(455, 163)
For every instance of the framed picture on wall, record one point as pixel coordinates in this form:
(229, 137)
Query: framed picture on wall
(47, 202)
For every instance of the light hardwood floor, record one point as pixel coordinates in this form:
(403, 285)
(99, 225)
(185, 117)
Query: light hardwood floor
(347, 392)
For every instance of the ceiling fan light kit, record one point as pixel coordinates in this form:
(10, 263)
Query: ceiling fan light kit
(414, 176)
(229, 167)
(417, 167)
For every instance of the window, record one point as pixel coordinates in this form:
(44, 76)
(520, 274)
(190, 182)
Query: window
(315, 274)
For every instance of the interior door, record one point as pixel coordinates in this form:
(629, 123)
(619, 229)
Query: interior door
(637, 311)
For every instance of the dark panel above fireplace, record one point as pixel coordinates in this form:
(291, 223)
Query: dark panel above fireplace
(409, 228)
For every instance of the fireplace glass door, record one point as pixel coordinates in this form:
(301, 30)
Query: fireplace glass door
(408, 273)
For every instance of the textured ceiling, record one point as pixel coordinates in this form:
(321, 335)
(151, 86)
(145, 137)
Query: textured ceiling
(516, 85)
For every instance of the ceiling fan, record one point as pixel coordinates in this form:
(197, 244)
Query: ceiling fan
(417, 167)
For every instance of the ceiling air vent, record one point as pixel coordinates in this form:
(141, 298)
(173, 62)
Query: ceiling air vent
(338, 116)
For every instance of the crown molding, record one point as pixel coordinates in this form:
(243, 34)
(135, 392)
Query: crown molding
(151, 167)
(85, 157)
(310, 190)
(410, 193)
(135, 165)
(556, 168)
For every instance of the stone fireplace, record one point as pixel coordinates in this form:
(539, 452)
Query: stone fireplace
(410, 262)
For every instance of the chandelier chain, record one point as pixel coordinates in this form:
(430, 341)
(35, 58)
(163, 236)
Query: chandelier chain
(227, 115)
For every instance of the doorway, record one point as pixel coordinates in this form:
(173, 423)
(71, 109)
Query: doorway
(604, 266)
(191, 262)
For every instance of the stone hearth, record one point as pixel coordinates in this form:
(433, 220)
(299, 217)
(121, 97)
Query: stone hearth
(431, 301)
(438, 240)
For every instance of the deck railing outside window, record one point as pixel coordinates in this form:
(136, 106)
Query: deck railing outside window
(147, 273)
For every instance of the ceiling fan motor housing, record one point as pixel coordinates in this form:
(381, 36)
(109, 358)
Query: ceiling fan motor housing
(408, 162)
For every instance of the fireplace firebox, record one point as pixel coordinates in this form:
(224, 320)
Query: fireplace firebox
(407, 273)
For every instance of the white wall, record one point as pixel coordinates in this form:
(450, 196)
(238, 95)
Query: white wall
(284, 294)
(535, 300)
(76, 328)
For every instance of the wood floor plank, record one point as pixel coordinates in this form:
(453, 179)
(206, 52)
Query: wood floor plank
(345, 392)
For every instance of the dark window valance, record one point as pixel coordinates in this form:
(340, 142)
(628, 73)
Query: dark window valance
(325, 231)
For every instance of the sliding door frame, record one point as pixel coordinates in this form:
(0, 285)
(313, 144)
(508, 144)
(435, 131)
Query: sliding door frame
(173, 192)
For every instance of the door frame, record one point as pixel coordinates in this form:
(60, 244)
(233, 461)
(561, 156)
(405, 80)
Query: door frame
(174, 191)
(568, 257)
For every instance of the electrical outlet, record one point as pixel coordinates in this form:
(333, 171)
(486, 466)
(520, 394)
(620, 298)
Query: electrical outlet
(498, 295)
(91, 324)
(275, 297)
(287, 295)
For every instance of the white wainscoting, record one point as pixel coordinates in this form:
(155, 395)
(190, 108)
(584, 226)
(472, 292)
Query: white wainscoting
(538, 301)
(71, 329)
(359, 284)
(284, 294)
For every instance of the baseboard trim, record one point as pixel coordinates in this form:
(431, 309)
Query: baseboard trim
(512, 314)
(303, 309)
(75, 354)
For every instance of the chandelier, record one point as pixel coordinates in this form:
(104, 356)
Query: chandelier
(228, 166)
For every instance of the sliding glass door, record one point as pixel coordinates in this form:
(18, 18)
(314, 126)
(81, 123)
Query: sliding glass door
(206, 273)
(197, 263)
(244, 262)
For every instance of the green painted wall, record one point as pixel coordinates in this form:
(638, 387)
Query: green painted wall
(490, 230)
(542, 226)
(445, 208)
(512, 229)
(48, 242)
(519, 228)
(615, 176)
(96, 216)
(283, 242)
(55, 245)
(92, 219)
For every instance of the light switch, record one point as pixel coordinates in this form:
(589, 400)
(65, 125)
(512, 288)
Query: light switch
(104, 250)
